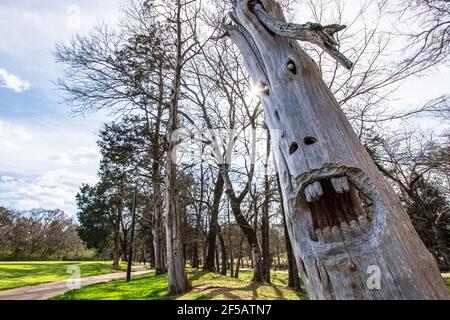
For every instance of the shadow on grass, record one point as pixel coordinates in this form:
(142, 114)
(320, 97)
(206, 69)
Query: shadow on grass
(206, 286)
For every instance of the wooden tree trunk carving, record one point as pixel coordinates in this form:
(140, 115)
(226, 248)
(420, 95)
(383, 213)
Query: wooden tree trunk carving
(347, 228)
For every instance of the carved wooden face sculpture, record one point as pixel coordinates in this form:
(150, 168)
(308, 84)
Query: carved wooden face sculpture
(343, 218)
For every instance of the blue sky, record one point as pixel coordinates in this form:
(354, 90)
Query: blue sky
(45, 152)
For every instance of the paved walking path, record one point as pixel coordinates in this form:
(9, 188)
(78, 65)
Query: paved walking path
(52, 289)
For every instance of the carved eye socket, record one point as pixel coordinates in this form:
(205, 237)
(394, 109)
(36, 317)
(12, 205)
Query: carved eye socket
(309, 140)
(293, 148)
(292, 67)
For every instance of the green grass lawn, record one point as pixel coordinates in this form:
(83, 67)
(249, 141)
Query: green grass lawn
(446, 277)
(206, 286)
(19, 274)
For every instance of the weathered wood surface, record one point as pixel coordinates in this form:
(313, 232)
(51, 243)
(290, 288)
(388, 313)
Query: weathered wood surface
(344, 219)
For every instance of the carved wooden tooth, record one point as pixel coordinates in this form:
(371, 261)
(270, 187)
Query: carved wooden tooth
(309, 190)
(357, 205)
(318, 189)
(340, 184)
(327, 235)
(346, 231)
(336, 233)
(356, 228)
(319, 235)
(313, 192)
(364, 223)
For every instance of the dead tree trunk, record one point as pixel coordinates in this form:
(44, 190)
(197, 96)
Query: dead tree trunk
(350, 235)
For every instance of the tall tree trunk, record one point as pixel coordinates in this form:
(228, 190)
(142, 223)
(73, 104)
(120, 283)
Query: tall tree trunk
(159, 245)
(244, 225)
(230, 243)
(223, 270)
(214, 226)
(195, 262)
(327, 176)
(158, 225)
(265, 235)
(152, 252)
(116, 252)
(124, 247)
(178, 281)
(217, 260)
(252, 239)
(239, 260)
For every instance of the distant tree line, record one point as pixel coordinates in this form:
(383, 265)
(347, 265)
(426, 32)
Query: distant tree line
(40, 234)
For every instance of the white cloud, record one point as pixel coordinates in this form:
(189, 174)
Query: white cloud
(13, 82)
(33, 18)
(27, 204)
(12, 134)
(9, 180)
(81, 155)
(53, 190)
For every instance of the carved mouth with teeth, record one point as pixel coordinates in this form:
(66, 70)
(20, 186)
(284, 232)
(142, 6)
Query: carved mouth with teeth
(342, 203)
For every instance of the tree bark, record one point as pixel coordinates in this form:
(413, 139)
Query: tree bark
(265, 235)
(159, 245)
(152, 252)
(213, 226)
(230, 242)
(239, 260)
(158, 225)
(195, 260)
(178, 281)
(350, 235)
(252, 239)
(217, 260)
(116, 252)
(223, 270)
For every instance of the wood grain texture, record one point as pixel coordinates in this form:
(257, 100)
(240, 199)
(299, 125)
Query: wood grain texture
(313, 141)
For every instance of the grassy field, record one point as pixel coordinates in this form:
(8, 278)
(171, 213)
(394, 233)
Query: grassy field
(446, 277)
(19, 274)
(206, 286)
